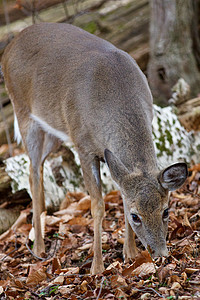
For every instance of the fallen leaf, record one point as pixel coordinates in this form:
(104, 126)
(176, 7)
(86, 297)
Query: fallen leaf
(120, 241)
(191, 270)
(83, 286)
(183, 277)
(145, 296)
(176, 286)
(22, 219)
(59, 279)
(19, 283)
(163, 290)
(141, 258)
(36, 275)
(115, 266)
(79, 221)
(66, 289)
(186, 221)
(71, 210)
(174, 278)
(1, 290)
(6, 234)
(52, 221)
(85, 247)
(113, 197)
(117, 281)
(84, 203)
(76, 195)
(56, 265)
(70, 271)
(195, 168)
(164, 272)
(104, 237)
(110, 296)
(65, 219)
(119, 294)
(144, 270)
(65, 203)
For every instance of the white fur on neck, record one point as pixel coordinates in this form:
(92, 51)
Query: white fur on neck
(17, 134)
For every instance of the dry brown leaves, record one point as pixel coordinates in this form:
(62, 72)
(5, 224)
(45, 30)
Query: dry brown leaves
(64, 272)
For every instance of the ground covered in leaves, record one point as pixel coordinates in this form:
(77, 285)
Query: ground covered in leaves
(64, 272)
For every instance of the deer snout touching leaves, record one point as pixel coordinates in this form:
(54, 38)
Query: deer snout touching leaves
(145, 198)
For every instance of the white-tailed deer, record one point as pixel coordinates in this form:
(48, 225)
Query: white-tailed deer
(65, 82)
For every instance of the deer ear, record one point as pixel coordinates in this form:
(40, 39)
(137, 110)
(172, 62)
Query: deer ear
(116, 167)
(173, 177)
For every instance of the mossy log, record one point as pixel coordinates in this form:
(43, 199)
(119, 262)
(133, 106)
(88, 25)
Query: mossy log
(189, 114)
(6, 195)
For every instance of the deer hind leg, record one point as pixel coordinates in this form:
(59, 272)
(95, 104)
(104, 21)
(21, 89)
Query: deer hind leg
(38, 145)
(130, 249)
(91, 174)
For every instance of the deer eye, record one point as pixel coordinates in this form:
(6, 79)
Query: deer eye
(166, 214)
(136, 219)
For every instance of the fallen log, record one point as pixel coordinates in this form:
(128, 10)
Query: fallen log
(189, 114)
(187, 109)
(7, 197)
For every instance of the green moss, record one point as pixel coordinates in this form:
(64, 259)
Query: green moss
(169, 136)
(128, 5)
(51, 178)
(90, 27)
(179, 143)
(3, 94)
(15, 186)
(74, 183)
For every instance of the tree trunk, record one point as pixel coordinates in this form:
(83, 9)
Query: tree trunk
(172, 41)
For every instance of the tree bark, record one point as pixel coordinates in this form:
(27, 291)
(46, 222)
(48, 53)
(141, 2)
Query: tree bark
(172, 41)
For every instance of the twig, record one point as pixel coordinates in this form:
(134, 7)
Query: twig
(101, 286)
(185, 238)
(148, 289)
(40, 258)
(191, 193)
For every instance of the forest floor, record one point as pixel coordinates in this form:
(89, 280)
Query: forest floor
(63, 273)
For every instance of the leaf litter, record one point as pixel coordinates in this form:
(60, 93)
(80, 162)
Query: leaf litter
(63, 272)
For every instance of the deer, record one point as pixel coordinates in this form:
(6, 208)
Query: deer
(67, 84)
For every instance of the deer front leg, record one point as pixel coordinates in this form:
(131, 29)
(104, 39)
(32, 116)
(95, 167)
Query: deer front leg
(91, 173)
(97, 209)
(130, 249)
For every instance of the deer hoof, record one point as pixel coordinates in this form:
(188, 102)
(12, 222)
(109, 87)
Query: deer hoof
(96, 268)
